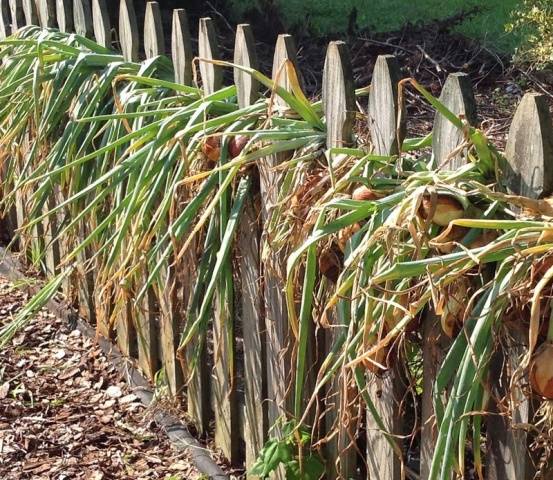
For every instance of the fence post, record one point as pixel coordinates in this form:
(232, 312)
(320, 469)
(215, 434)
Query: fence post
(101, 23)
(528, 172)
(30, 12)
(5, 19)
(47, 13)
(181, 47)
(274, 265)
(255, 426)
(386, 390)
(17, 16)
(212, 75)
(128, 30)
(339, 108)
(383, 106)
(458, 97)
(154, 42)
(64, 13)
(82, 18)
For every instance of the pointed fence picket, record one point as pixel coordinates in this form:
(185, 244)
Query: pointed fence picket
(244, 402)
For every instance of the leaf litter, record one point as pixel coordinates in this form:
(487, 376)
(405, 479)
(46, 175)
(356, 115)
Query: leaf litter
(65, 412)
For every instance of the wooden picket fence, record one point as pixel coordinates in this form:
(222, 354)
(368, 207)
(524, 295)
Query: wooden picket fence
(243, 410)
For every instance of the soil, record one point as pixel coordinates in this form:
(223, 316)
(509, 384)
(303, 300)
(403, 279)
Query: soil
(65, 413)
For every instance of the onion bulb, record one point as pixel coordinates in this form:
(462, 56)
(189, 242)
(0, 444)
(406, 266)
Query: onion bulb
(330, 264)
(541, 371)
(211, 148)
(364, 193)
(447, 209)
(452, 304)
(236, 145)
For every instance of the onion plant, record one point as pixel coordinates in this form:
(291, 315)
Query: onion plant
(118, 161)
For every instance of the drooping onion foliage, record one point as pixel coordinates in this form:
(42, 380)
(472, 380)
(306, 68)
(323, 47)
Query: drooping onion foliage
(116, 161)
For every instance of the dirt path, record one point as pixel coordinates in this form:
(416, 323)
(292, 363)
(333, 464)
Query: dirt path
(66, 414)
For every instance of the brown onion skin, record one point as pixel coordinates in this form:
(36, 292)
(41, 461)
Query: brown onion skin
(364, 193)
(211, 148)
(237, 144)
(330, 264)
(447, 209)
(541, 371)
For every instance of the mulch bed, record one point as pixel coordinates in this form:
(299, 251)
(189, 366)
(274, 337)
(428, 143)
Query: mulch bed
(65, 412)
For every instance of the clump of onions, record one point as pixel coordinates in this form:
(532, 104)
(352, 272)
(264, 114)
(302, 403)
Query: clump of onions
(211, 148)
(451, 306)
(541, 370)
(364, 193)
(236, 145)
(445, 210)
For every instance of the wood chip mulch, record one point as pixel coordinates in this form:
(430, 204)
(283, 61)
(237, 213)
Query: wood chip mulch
(65, 413)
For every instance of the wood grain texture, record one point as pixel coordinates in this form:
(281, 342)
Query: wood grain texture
(30, 12)
(255, 425)
(285, 49)
(128, 30)
(386, 392)
(383, 106)
(247, 88)
(64, 14)
(47, 13)
(528, 170)
(82, 18)
(339, 110)
(16, 13)
(458, 96)
(5, 19)
(277, 332)
(529, 150)
(212, 75)
(435, 345)
(146, 324)
(507, 438)
(338, 95)
(101, 23)
(154, 42)
(181, 47)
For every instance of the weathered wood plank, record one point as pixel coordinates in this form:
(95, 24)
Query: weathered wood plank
(255, 426)
(181, 47)
(145, 317)
(128, 30)
(434, 348)
(30, 12)
(154, 42)
(273, 265)
(386, 391)
(64, 14)
(458, 97)
(528, 171)
(5, 19)
(82, 18)
(212, 75)
(17, 15)
(101, 23)
(529, 149)
(245, 54)
(339, 108)
(383, 106)
(47, 13)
